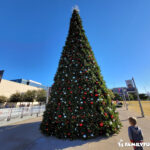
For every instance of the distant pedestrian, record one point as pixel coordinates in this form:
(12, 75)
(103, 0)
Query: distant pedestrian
(135, 133)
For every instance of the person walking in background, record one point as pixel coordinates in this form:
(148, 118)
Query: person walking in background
(135, 133)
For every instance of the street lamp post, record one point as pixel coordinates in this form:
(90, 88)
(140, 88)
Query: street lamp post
(124, 99)
(137, 93)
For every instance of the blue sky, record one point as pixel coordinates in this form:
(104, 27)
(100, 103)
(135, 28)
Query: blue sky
(33, 32)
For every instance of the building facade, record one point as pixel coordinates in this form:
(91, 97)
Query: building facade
(120, 90)
(30, 82)
(7, 88)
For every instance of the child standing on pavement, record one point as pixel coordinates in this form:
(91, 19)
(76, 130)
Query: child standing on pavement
(135, 133)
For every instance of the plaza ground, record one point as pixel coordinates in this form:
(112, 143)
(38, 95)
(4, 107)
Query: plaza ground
(25, 135)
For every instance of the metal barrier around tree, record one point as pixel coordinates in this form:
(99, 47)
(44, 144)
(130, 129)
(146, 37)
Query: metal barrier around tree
(11, 113)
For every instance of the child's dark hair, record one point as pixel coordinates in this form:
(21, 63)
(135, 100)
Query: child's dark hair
(133, 120)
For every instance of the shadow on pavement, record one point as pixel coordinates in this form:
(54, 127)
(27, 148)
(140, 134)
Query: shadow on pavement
(18, 137)
(140, 117)
(7, 127)
(53, 143)
(124, 120)
(28, 137)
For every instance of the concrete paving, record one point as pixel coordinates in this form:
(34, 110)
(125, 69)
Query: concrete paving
(25, 135)
(18, 119)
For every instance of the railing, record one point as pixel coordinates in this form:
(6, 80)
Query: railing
(7, 114)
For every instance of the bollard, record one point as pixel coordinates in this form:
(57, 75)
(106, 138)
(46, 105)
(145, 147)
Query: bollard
(9, 116)
(39, 109)
(22, 112)
(31, 111)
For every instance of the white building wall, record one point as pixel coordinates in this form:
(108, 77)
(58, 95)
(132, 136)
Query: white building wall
(7, 88)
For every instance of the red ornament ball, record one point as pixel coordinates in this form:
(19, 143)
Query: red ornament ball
(101, 124)
(68, 134)
(105, 114)
(81, 107)
(59, 116)
(80, 124)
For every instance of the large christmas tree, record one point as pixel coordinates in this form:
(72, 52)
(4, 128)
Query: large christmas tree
(80, 105)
